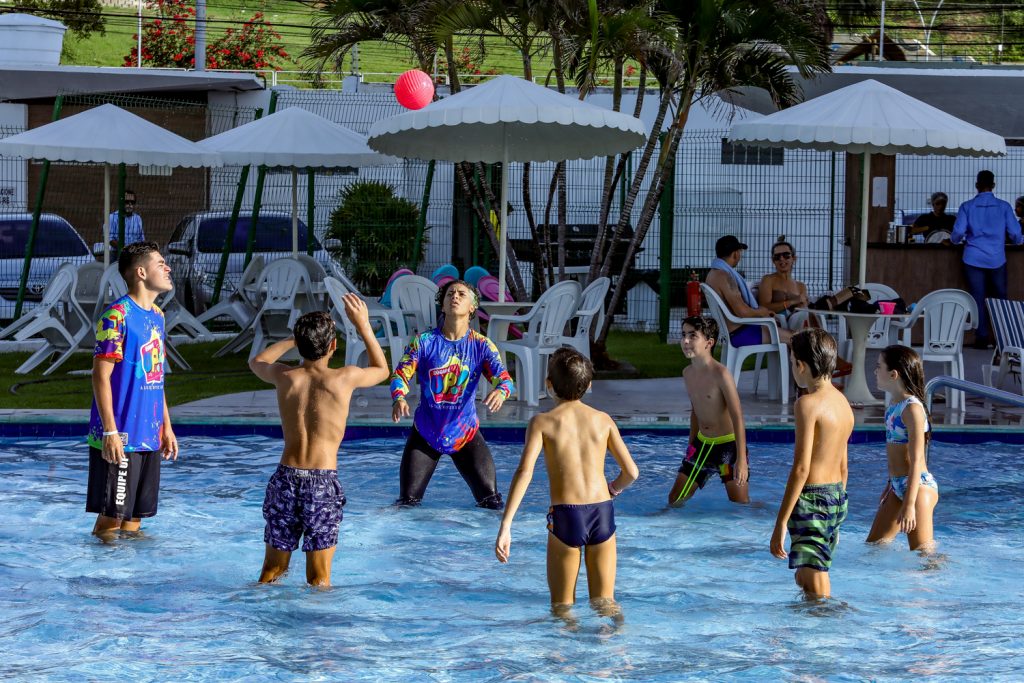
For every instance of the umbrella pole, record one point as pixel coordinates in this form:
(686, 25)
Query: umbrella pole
(106, 215)
(865, 203)
(502, 222)
(295, 213)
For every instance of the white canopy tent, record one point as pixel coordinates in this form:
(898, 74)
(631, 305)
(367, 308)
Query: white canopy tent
(868, 118)
(293, 138)
(507, 119)
(107, 135)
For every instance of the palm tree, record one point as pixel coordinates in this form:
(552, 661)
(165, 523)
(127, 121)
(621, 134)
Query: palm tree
(716, 45)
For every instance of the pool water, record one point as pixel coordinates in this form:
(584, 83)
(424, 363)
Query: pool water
(418, 594)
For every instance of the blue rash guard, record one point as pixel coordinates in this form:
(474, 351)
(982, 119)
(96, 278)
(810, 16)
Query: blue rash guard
(448, 373)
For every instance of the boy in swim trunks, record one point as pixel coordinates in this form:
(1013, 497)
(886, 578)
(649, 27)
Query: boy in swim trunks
(718, 440)
(129, 425)
(814, 505)
(304, 498)
(575, 439)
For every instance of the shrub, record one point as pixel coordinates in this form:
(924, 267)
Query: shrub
(169, 41)
(377, 231)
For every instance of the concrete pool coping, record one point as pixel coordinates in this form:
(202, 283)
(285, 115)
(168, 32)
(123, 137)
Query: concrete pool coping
(637, 405)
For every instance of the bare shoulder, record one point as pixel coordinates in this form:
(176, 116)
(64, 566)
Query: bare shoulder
(718, 279)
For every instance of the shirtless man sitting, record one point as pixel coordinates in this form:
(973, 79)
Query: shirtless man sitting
(304, 497)
(738, 296)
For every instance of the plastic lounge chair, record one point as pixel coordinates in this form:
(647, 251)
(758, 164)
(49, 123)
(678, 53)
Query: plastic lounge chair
(385, 298)
(474, 273)
(445, 271)
(416, 298)
(50, 304)
(946, 314)
(589, 315)
(355, 349)
(733, 356)
(1006, 318)
(58, 319)
(545, 328)
(238, 305)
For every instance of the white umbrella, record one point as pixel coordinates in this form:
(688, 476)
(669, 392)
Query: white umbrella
(294, 138)
(868, 118)
(107, 135)
(507, 119)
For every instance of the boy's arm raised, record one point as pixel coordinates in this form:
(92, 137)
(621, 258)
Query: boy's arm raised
(265, 365)
(628, 471)
(376, 370)
(520, 482)
(735, 409)
(797, 476)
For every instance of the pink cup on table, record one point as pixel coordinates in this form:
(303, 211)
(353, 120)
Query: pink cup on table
(887, 307)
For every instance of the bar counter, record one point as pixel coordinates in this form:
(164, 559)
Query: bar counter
(913, 270)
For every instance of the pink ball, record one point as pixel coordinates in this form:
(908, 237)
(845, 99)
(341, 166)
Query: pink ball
(414, 89)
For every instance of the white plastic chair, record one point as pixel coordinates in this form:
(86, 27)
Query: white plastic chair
(284, 280)
(355, 349)
(377, 309)
(947, 314)
(87, 285)
(589, 315)
(58, 319)
(238, 305)
(1006, 318)
(416, 298)
(111, 288)
(545, 329)
(733, 356)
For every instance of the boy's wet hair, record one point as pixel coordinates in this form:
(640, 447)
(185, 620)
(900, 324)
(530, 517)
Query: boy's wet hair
(706, 326)
(134, 255)
(815, 347)
(313, 334)
(570, 373)
(444, 290)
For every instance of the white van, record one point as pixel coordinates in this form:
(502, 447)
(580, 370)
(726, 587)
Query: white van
(57, 243)
(195, 248)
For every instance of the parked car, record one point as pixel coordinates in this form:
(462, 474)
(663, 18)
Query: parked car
(195, 248)
(57, 242)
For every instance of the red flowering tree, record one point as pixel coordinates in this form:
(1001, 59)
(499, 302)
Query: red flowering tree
(168, 40)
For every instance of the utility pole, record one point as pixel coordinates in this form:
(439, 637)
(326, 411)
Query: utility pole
(138, 45)
(881, 36)
(200, 64)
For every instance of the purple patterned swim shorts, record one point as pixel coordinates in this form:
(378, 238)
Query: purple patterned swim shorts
(303, 504)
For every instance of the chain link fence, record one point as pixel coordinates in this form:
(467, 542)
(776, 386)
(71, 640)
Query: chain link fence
(756, 194)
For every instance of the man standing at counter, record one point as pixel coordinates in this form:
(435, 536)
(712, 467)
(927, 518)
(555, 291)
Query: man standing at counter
(985, 223)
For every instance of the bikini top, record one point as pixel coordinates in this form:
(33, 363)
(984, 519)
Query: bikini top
(895, 428)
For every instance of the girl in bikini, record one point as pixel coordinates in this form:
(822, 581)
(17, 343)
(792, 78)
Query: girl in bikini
(911, 492)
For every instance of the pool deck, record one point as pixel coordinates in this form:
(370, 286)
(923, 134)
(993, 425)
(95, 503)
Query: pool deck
(637, 403)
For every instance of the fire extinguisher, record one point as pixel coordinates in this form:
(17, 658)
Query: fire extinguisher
(693, 307)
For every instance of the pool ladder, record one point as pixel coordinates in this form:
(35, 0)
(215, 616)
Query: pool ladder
(990, 393)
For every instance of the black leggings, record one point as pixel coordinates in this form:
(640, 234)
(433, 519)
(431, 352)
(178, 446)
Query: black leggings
(473, 461)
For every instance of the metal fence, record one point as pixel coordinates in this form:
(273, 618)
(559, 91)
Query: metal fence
(757, 195)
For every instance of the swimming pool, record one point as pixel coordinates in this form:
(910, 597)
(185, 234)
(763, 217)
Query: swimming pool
(418, 594)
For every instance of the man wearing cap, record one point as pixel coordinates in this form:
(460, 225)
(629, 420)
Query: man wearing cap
(738, 296)
(985, 223)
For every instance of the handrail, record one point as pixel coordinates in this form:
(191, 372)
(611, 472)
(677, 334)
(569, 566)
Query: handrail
(990, 393)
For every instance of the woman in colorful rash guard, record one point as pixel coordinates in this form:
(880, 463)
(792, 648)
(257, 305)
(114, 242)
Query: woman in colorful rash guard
(448, 362)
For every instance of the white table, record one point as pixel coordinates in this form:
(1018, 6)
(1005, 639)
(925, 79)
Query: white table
(858, 325)
(498, 331)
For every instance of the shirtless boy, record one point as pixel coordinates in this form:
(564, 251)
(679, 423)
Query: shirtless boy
(304, 497)
(575, 439)
(718, 440)
(814, 505)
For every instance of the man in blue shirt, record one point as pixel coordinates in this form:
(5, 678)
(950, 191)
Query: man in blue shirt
(132, 222)
(985, 223)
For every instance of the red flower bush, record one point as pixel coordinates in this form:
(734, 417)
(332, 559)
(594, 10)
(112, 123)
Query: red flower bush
(169, 41)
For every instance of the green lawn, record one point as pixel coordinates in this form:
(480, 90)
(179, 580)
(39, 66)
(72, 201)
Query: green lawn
(216, 376)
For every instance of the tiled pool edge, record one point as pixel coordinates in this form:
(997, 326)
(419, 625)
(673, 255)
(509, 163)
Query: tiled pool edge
(72, 426)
